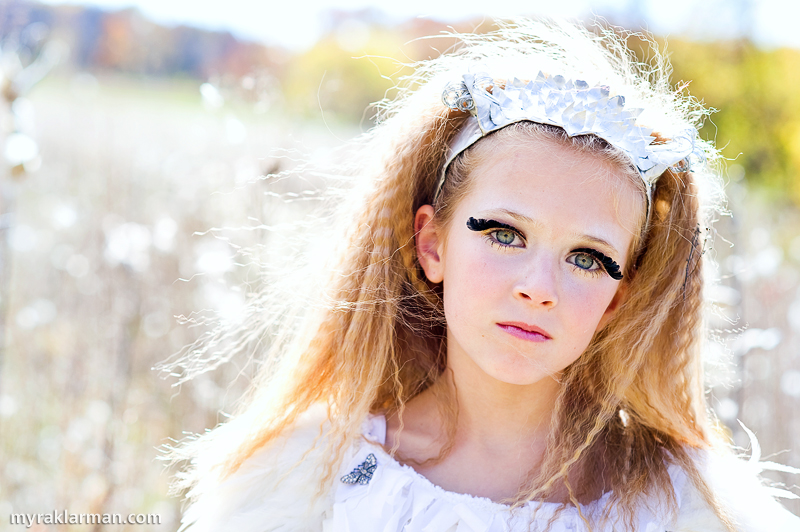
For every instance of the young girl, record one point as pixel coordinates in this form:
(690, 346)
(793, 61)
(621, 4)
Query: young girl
(511, 336)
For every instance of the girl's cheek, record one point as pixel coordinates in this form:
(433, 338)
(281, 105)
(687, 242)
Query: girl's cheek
(473, 276)
(487, 273)
(589, 301)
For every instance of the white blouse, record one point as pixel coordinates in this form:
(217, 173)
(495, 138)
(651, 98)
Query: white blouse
(390, 497)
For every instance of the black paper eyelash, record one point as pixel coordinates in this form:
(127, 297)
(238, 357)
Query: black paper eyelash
(611, 267)
(484, 225)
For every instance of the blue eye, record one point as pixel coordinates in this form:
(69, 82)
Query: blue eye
(585, 262)
(505, 237)
(497, 233)
(592, 261)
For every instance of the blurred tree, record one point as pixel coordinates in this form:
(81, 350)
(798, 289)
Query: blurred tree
(361, 60)
(329, 79)
(758, 122)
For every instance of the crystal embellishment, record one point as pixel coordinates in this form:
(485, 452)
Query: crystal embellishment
(456, 96)
(363, 472)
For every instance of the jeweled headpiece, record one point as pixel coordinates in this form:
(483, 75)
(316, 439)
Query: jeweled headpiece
(572, 105)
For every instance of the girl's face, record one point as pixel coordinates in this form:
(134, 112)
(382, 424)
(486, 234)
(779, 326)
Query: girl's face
(528, 261)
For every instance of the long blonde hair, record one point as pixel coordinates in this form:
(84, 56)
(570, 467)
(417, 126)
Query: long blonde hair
(631, 405)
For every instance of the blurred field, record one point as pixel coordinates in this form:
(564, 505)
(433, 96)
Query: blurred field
(102, 242)
(110, 243)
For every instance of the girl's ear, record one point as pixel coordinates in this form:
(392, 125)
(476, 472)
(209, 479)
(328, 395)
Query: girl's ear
(429, 244)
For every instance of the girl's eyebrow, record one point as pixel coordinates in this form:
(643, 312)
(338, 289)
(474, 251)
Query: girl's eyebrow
(599, 242)
(517, 216)
(531, 222)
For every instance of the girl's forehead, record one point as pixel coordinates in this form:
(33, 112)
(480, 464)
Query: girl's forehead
(553, 161)
(552, 180)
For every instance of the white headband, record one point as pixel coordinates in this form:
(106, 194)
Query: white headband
(573, 106)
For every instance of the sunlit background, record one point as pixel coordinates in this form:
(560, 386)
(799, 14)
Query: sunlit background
(133, 141)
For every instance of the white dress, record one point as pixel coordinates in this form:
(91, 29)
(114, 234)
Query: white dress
(375, 493)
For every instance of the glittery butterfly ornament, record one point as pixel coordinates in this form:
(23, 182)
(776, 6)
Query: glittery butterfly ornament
(363, 472)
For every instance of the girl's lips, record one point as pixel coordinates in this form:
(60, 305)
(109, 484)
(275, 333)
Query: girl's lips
(525, 331)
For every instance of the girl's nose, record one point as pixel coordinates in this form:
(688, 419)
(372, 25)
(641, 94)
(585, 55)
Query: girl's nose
(539, 283)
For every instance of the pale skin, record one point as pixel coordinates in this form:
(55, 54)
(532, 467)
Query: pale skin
(520, 305)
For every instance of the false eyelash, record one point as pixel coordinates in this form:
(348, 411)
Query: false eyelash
(484, 225)
(611, 267)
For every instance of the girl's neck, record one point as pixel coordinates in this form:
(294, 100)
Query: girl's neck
(498, 415)
(498, 441)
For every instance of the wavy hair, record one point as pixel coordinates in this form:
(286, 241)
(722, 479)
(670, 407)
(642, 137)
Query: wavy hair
(631, 405)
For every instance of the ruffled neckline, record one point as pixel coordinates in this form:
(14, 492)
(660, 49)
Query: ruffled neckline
(375, 437)
(376, 492)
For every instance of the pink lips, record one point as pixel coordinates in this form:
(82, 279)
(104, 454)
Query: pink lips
(525, 331)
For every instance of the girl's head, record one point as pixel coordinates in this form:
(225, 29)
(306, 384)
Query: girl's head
(625, 352)
(534, 253)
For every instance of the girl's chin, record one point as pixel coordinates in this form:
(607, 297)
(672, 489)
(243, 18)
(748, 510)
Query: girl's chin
(521, 373)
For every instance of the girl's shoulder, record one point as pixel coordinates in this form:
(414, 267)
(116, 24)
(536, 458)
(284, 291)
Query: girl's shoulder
(737, 485)
(275, 489)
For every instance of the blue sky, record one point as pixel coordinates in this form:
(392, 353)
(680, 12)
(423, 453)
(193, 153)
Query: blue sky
(296, 24)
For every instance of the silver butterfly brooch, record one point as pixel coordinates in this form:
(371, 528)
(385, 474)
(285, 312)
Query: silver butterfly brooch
(363, 472)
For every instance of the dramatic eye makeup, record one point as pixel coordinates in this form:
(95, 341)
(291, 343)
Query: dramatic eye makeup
(499, 233)
(504, 235)
(611, 267)
(481, 225)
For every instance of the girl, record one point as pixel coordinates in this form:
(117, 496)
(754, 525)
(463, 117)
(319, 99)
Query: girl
(511, 336)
